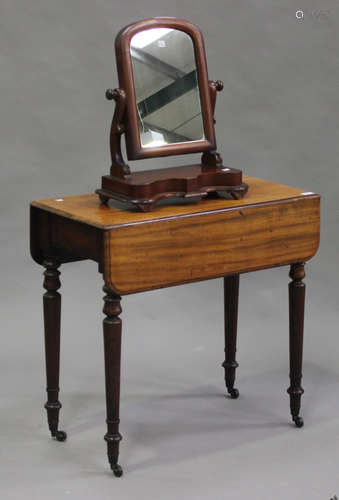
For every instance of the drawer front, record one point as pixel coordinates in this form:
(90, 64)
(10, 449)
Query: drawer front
(169, 252)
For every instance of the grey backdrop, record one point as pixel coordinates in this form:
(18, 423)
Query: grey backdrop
(277, 119)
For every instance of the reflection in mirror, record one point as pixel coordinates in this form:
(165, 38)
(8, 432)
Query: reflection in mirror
(166, 87)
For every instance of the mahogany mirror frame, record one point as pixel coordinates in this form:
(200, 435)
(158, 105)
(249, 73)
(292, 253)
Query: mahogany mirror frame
(134, 149)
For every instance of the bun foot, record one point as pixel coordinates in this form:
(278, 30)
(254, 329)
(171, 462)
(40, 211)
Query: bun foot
(60, 436)
(298, 421)
(117, 470)
(104, 199)
(234, 393)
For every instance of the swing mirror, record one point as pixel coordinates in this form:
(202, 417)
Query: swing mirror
(164, 106)
(162, 68)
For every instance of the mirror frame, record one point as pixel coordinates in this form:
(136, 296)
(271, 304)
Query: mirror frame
(134, 148)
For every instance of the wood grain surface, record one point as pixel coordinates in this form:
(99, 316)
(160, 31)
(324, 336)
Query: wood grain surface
(87, 208)
(273, 225)
(168, 252)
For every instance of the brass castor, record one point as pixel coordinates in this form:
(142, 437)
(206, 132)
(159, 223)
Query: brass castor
(60, 436)
(117, 470)
(234, 393)
(298, 421)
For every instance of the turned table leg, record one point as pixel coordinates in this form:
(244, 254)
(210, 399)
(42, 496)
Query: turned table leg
(231, 295)
(112, 352)
(52, 312)
(296, 312)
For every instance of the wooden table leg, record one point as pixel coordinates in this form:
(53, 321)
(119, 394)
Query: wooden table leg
(112, 351)
(231, 296)
(52, 312)
(296, 313)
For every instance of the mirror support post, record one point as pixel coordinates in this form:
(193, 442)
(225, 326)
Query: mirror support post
(212, 159)
(214, 87)
(119, 168)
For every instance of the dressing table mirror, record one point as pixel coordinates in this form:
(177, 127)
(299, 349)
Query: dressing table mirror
(165, 106)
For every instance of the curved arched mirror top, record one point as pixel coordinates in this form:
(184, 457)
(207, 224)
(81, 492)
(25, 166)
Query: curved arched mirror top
(162, 68)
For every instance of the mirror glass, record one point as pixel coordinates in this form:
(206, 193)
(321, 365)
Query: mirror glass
(166, 87)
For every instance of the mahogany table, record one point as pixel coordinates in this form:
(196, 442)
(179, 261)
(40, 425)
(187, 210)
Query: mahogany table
(273, 225)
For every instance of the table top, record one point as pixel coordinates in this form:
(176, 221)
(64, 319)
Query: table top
(87, 208)
(177, 243)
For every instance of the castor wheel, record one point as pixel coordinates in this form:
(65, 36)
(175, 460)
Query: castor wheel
(234, 393)
(60, 436)
(117, 470)
(298, 421)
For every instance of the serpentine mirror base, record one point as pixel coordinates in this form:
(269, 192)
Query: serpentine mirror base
(145, 189)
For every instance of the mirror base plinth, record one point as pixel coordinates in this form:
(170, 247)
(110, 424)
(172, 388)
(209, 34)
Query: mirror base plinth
(146, 188)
